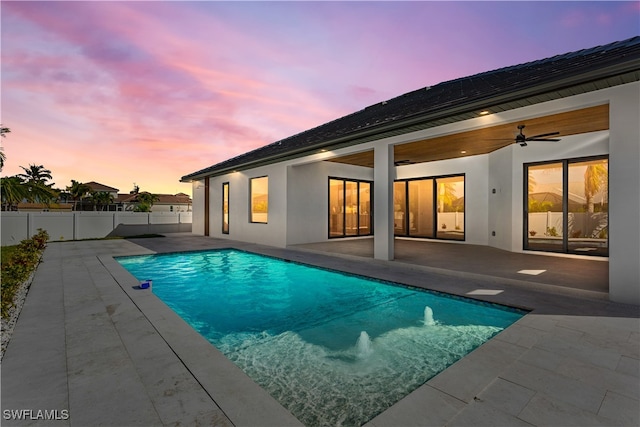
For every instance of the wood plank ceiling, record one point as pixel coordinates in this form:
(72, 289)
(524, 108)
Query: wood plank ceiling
(486, 140)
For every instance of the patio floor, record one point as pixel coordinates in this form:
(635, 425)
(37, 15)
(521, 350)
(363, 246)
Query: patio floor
(89, 342)
(532, 269)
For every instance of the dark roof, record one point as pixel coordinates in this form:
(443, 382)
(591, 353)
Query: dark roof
(451, 98)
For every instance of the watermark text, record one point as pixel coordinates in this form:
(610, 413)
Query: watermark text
(35, 414)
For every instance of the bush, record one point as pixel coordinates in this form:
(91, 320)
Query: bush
(20, 263)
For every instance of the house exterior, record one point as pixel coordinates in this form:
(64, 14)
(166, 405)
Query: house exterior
(97, 187)
(455, 162)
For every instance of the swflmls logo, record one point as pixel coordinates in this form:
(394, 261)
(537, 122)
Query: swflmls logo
(30, 414)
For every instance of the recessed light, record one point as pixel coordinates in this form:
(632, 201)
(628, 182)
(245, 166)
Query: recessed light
(463, 152)
(484, 112)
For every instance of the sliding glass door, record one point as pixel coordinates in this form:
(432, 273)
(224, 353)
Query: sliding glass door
(430, 207)
(566, 206)
(349, 208)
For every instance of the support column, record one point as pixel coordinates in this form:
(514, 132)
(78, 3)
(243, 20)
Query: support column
(383, 175)
(624, 199)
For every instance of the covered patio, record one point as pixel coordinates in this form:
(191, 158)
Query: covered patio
(553, 272)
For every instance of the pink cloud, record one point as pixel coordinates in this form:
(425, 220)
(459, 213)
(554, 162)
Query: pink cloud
(160, 89)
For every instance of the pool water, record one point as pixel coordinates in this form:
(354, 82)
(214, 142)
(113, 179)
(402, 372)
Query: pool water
(333, 348)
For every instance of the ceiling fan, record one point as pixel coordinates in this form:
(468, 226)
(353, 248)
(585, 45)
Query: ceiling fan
(522, 139)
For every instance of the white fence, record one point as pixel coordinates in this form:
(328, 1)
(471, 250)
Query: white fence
(581, 224)
(17, 226)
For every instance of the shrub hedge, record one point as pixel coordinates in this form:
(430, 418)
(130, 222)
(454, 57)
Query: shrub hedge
(22, 262)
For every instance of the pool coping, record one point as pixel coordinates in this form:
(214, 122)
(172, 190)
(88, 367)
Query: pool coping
(228, 386)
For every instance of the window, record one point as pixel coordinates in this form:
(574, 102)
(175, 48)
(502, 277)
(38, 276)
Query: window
(430, 207)
(566, 206)
(349, 208)
(225, 208)
(450, 200)
(259, 190)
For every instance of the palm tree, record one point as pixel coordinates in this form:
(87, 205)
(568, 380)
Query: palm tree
(3, 132)
(78, 191)
(446, 195)
(36, 174)
(595, 177)
(146, 201)
(39, 192)
(13, 192)
(102, 199)
(36, 178)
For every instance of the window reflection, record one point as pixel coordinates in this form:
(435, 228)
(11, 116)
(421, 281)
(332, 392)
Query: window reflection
(225, 208)
(588, 210)
(259, 199)
(578, 204)
(430, 207)
(450, 200)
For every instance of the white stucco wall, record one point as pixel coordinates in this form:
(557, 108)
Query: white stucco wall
(500, 207)
(240, 228)
(197, 189)
(624, 196)
(308, 198)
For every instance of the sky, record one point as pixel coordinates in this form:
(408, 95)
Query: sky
(143, 93)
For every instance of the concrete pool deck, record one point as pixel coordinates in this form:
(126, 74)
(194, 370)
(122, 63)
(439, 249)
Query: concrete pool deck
(89, 342)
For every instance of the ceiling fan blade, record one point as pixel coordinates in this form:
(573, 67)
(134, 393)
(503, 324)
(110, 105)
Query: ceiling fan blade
(543, 139)
(542, 135)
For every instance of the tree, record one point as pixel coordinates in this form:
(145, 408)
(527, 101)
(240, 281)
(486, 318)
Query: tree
(145, 201)
(101, 199)
(40, 192)
(36, 174)
(13, 192)
(3, 132)
(446, 195)
(35, 179)
(595, 177)
(78, 191)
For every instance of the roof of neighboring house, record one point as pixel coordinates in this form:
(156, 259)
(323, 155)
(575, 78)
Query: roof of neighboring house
(179, 198)
(173, 198)
(96, 186)
(29, 206)
(503, 89)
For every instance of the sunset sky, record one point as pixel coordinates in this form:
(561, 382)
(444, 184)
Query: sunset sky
(146, 92)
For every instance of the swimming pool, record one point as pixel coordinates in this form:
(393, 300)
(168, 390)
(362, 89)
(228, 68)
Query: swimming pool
(333, 348)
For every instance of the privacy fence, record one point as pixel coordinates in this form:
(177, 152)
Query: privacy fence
(17, 226)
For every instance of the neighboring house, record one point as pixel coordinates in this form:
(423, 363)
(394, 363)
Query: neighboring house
(97, 187)
(447, 162)
(180, 202)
